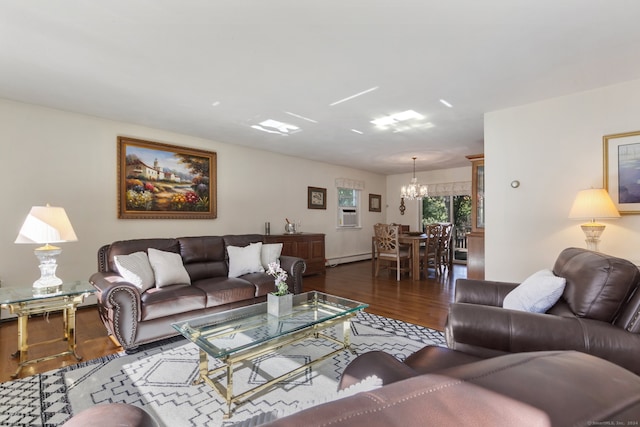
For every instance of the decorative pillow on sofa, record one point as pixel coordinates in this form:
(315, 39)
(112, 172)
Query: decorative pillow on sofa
(135, 268)
(270, 253)
(537, 294)
(168, 268)
(245, 260)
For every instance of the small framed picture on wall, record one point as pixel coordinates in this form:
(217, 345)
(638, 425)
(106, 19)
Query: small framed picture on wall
(375, 203)
(316, 198)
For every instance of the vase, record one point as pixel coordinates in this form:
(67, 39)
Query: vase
(279, 305)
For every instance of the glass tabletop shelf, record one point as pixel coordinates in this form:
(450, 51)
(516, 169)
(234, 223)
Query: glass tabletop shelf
(225, 333)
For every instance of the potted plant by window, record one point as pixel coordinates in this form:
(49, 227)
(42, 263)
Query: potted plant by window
(279, 302)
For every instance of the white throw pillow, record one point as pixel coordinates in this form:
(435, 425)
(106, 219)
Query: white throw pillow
(270, 253)
(537, 294)
(244, 260)
(135, 269)
(168, 268)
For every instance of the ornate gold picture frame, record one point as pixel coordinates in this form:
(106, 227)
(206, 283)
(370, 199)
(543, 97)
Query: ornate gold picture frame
(166, 181)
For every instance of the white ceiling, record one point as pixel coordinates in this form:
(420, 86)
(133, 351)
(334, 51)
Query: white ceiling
(164, 63)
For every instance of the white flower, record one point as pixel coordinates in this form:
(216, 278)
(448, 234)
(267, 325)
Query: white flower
(280, 278)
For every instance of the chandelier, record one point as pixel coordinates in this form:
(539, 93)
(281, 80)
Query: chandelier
(414, 191)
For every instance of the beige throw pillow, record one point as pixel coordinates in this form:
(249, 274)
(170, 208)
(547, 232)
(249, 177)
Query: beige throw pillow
(168, 268)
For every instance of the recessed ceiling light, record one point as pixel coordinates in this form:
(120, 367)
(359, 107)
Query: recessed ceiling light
(215, 104)
(353, 96)
(446, 103)
(300, 117)
(357, 131)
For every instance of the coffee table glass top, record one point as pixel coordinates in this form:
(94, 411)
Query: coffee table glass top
(26, 294)
(225, 333)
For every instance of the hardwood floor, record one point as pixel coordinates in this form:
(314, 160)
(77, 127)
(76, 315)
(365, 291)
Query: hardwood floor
(423, 302)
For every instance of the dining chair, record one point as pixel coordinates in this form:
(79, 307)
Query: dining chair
(389, 250)
(445, 259)
(429, 252)
(403, 228)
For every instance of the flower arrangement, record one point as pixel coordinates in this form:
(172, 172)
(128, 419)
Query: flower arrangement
(280, 278)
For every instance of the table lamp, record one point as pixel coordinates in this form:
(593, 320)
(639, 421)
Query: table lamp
(45, 225)
(594, 203)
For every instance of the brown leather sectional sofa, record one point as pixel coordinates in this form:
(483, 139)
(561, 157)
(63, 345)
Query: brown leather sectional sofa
(133, 317)
(441, 387)
(598, 313)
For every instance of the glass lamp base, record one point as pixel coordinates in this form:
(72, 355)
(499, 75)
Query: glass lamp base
(48, 281)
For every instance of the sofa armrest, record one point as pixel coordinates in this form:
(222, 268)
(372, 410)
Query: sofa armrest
(118, 305)
(484, 292)
(489, 331)
(294, 267)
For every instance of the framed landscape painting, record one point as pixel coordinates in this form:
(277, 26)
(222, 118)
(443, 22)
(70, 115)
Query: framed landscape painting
(622, 170)
(165, 181)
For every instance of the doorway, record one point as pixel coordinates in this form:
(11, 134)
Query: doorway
(455, 209)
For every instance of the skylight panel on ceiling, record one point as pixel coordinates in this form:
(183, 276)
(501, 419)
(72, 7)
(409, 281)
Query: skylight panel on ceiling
(399, 121)
(274, 126)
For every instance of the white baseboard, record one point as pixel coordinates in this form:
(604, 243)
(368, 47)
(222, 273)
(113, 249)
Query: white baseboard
(332, 262)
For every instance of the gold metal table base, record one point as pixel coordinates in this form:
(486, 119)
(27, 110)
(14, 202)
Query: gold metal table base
(213, 377)
(68, 305)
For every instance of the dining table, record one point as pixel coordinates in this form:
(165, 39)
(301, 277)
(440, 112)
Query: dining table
(412, 239)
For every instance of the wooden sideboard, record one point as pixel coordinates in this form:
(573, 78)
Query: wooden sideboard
(308, 246)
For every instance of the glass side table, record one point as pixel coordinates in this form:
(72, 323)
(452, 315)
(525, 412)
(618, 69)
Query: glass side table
(24, 302)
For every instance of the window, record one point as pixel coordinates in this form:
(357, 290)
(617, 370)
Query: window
(348, 207)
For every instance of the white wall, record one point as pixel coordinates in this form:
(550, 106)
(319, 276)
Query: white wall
(69, 160)
(554, 148)
(412, 212)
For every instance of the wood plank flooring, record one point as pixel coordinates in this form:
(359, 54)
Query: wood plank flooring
(423, 302)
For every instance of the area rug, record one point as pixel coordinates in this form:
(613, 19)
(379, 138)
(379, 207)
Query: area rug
(159, 378)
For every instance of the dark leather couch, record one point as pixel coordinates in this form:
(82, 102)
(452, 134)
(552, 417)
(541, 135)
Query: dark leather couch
(598, 313)
(441, 387)
(134, 318)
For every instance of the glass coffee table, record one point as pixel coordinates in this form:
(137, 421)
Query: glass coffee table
(245, 333)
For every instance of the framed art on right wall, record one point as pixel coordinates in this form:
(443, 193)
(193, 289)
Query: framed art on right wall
(622, 170)
(375, 203)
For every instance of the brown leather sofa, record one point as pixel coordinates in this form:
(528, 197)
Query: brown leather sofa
(133, 317)
(442, 387)
(598, 313)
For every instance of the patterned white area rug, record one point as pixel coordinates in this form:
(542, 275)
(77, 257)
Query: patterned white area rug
(160, 380)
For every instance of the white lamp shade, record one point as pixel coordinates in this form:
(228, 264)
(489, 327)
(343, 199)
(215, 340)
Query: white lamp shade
(593, 203)
(46, 224)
